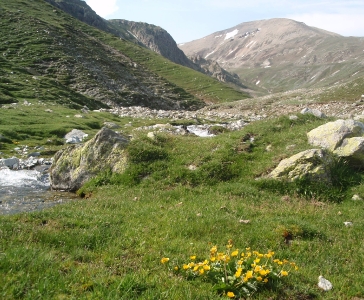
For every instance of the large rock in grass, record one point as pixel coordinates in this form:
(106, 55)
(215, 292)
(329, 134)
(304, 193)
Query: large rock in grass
(75, 165)
(345, 138)
(331, 135)
(313, 164)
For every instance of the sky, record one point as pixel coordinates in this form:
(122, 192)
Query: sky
(188, 20)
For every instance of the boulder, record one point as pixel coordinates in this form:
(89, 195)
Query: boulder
(75, 136)
(353, 150)
(313, 164)
(314, 112)
(331, 135)
(11, 163)
(76, 164)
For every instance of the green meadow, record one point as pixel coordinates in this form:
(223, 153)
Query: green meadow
(178, 196)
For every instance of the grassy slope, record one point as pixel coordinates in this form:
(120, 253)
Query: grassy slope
(110, 245)
(28, 48)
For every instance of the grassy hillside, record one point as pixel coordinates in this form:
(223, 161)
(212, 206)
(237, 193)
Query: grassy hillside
(110, 245)
(91, 66)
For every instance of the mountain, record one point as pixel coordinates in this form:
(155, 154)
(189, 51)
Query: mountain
(48, 55)
(280, 54)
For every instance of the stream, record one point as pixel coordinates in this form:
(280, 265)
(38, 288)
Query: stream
(27, 191)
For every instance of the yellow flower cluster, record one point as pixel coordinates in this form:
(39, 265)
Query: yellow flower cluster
(240, 270)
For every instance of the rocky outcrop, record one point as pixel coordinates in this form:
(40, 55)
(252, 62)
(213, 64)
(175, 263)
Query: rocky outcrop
(313, 164)
(331, 135)
(75, 165)
(345, 138)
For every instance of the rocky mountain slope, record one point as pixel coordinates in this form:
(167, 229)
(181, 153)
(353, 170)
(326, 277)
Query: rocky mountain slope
(281, 54)
(48, 55)
(150, 36)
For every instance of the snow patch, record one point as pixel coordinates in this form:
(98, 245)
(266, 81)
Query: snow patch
(218, 36)
(231, 34)
(208, 54)
(258, 82)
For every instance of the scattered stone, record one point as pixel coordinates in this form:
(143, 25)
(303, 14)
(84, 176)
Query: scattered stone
(34, 154)
(244, 221)
(151, 135)
(348, 224)
(324, 284)
(79, 116)
(75, 136)
(111, 125)
(314, 112)
(49, 110)
(356, 198)
(293, 117)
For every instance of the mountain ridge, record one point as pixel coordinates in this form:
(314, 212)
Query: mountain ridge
(276, 55)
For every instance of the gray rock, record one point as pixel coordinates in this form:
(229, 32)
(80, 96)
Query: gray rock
(313, 164)
(76, 164)
(11, 163)
(314, 112)
(111, 125)
(331, 135)
(75, 136)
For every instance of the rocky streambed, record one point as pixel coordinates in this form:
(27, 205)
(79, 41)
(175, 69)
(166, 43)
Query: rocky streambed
(25, 186)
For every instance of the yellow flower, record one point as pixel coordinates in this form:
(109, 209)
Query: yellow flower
(257, 260)
(175, 268)
(239, 262)
(284, 273)
(263, 272)
(164, 260)
(259, 278)
(193, 257)
(238, 272)
(230, 294)
(234, 253)
(206, 267)
(201, 271)
(185, 267)
(257, 269)
(296, 268)
(195, 268)
(265, 280)
(213, 250)
(212, 259)
(249, 274)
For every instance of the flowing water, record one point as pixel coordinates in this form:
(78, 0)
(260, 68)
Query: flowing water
(27, 190)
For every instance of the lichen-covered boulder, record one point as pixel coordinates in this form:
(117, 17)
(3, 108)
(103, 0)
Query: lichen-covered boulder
(75, 165)
(331, 135)
(313, 164)
(353, 150)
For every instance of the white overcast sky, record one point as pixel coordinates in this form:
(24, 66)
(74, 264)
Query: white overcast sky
(187, 20)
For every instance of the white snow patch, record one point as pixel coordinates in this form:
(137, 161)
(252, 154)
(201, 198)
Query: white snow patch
(231, 52)
(180, 44)
(218, 36)
(335, 72)
(258, 82)
(250, 44)
(208, 54)
(313, 77)
(267, 67)
(132, 34)
(231, 34)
